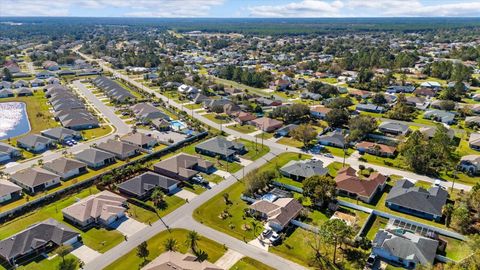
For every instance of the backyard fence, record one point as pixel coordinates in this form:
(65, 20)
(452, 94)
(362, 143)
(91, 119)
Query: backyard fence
(305, 226)
(288, 187)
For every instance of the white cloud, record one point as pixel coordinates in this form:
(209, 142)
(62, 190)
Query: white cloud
(145, 8)
(305, 8)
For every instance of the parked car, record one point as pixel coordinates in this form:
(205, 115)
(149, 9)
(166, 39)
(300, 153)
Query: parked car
(328, 155)
(274, 238)
(371, 260)
(266, 233)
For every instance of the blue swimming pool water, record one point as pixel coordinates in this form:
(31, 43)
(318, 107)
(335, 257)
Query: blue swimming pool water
(177, 125)
(13, 120)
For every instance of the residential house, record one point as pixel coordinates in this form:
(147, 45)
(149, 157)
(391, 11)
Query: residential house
(370, 108)
(394, 89)
(20, 83)
(176, 260)
(8, 152)
(183, 167)
(37, 82)
(146, 112)
(50, 65)
(142, 186)
(66, 167)
(470, 164)
(432, 85)
(221, 147)
(349, 184)
(394, 128)
(267, 124)
(440, 116)
(39, 238)
(187, 89)
(359, 93)
(407, 198)
(35, 179)
(95, 158)
(5, 85)
(140, 139)
(429, 132)
(121, 150)
(278, 213)
(285, 130)
(160, 124)
(268, 102)
(61, 134)
(35, 143)
(43, 75)
(335, 139)
(376, 149)
(113, 90)
(244, 117)
(425, 92)
(9, 191)
(420, 103)
(103, 209)
(404, 248)
(319, 112)
(24, 92)
(300, 170)
(474, 141)
(6, 93)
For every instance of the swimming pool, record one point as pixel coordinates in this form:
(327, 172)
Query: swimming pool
(13, 119)
(177, 125)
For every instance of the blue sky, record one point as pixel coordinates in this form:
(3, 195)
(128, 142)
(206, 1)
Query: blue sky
(240, 8)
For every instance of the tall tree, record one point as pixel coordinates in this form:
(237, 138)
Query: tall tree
(142, 251)
(320, 189)
(157, 197)
(304, 133)
(337, 117)
(335, 232)
(170, 244)
(192, 240)
(63, 251)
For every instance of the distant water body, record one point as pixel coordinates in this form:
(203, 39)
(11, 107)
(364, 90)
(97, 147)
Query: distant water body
(13, 120)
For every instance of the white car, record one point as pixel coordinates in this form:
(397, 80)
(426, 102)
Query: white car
(274, 238)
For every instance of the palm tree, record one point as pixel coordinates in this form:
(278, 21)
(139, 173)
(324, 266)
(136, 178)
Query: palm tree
(192, 238)
(106, 180)
(157, 196)
(170, 244)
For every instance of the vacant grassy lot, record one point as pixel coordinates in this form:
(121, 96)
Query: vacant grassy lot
(218, 118)
(146, 216)
(290, 142)
(243, 128)
(131, 261)
(248, 263)
(255, 150)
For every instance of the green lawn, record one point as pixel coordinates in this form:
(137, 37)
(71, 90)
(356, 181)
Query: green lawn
(296, 247)
(146, 216)
(217, 118)
(235, 225)
(265, 135)
(248, 263)
(255, 150)
(43, 264)
(378, 223)
(97, 239)
(131, 261)
(193, 106)
(290, 142)
(93, 133)
(456, 249)
(338, 152)
(243, 128)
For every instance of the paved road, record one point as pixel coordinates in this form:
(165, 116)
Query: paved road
(105, 110)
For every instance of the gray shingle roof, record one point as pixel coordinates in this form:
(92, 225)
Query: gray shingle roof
(32, 139)
(33, 177)
(220, 145)
(60, 133)
(304, 168)
(406, 194)
(93, 155)
(35, 237)
(63, 165)
(7, 187)
(144, 183)
(407, 246)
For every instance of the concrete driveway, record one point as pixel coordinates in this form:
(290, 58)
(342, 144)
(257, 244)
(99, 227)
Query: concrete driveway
(229, 259)
(223, 174)
(128, 226)
(245, 162)
(185, 194)
(85, 254)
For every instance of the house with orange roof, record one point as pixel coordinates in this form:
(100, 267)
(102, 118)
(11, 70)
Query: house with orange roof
(376, 149)
(351, 185)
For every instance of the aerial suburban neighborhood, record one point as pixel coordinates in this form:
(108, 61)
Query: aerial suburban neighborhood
(260, 136)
